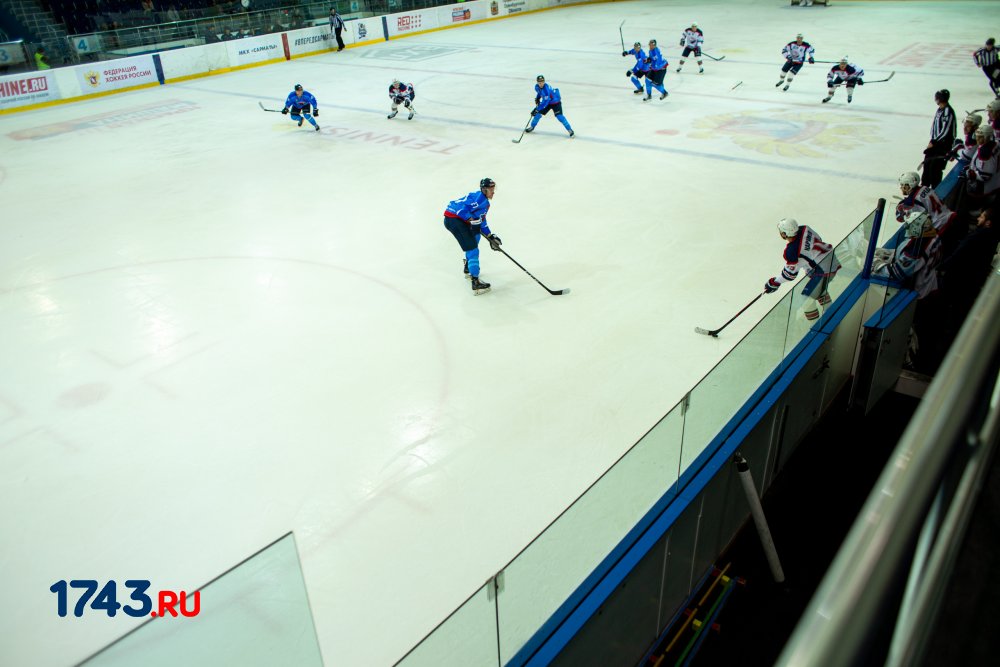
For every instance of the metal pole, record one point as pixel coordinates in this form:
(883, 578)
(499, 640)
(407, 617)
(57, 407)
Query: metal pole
(757, 511)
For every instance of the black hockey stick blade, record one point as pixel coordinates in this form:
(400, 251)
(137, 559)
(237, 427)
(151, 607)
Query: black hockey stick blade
(266, 109)
(553, 292)
(714, 333)
(713, 57)
(891, 74)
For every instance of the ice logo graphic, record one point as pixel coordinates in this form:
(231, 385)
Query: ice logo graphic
(790, 133)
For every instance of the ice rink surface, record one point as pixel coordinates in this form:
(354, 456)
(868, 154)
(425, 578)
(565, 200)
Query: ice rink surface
(217, 327)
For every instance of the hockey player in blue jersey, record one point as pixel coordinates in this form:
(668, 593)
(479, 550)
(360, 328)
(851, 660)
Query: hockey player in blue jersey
(465, 218)
(639, 69)
(298, 102)
(547, 99)
(657, 65)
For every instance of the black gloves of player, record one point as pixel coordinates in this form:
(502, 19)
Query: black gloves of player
(285, 111)
(812, 61)
(315, 112)
(628, 73)
(860, 82)
(647, 61)
(771, 287)
(681, 42)
(624, 54)
(535, 112)
(495, 241)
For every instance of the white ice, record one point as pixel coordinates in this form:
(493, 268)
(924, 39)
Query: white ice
(216, 326)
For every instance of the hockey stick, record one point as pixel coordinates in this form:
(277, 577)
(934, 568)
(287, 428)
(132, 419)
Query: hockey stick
(714, 333)
(266, 109)
(553, 292)
(828, 62)
(518, 140)
(891, 74)
(712, 57)
(620, 36)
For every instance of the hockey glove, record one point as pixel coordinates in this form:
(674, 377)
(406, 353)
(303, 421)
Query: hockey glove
(628, 73)
(647, 61)
(495, 241)
(812, 61)
(770, 287)
(285, 111)
(860, 82)
(315, 112)
(624, 54)
(535, 112)
(681, 42)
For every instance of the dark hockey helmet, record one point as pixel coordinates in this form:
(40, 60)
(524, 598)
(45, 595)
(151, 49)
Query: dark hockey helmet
(942, 95)
(540, 77)
(487, 183)
(638, 44)
(298, 86)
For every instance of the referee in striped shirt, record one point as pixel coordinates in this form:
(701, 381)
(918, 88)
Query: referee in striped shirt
(942, 139)
(986, 58)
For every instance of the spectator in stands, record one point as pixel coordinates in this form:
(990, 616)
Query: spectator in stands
(227, 35)
(211, 37)
(298, 21)
(41, 60)
(337, 25)
(172, 14)
(942, 140)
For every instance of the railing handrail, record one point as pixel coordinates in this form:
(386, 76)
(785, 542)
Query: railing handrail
(833, 628)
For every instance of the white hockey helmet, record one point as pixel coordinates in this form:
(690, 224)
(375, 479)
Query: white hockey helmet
(395, 82)
(693, 24)
(974, 119)
(843, 61)
(994, 106)
(917, 224)
(788, 226)
(984, 132)
(799, 36)
(909, 180)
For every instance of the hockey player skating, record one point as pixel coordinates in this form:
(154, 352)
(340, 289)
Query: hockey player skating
(795, 53)
(657, 69)
(465, 218)
(298, 102)
(639, 69)
(806, 250)
(846, 74)
(986, 59)
(691, 40)
(402, 93)
(547, 99)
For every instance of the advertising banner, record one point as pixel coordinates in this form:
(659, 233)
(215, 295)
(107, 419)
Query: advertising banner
(309, 40)
(18, 90)
(255, 49)
(114, 74)
(11, 53)
(402, 24)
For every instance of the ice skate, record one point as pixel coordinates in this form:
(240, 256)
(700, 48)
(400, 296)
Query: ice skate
(701, 70)
(786, 86)
(479, 287)
(393, 114)
(780, 81)
(849, 98)
(300, 121)
(678, 69)
(572, 134)
(410, 117)
(637, 91)
(647, 98)
(317, 127)
(664, 95)
(827, 99)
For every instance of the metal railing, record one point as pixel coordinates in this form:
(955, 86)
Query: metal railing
(952, 435)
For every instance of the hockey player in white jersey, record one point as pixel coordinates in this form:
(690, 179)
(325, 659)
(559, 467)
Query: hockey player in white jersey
(922, 199)
(914, 262)
(401, 93)
(843, 73)
(983, 173)
(806, 250)
(795, 54)
(965, 146)
(691, 40)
